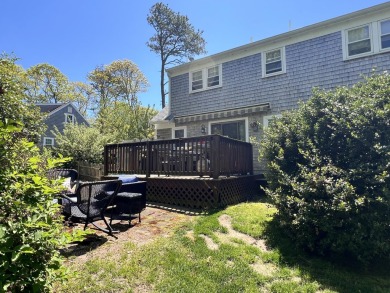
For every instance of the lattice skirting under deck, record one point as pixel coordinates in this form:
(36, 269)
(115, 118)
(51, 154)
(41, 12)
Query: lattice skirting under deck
(201, 193)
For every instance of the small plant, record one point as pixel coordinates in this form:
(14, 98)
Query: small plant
(329, 170)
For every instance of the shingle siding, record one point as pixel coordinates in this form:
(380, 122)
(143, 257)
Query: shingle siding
(317, 62)
(57, 119)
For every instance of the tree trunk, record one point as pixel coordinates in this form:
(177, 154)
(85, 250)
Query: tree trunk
(162, 82)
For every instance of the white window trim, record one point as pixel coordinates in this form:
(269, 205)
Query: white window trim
(380, 36)
(179, 128)
(263, 62)
(73, 118)
(267, 118)
(375, 38)
(204, 79)
(345, 42)
(232, 120)
(45, 141)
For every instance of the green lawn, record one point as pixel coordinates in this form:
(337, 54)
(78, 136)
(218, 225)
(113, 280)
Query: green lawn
(184, 263)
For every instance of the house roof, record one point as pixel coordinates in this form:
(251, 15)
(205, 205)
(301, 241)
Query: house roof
(47, 108)
(291, 37)
(51, 108)
(163, 116)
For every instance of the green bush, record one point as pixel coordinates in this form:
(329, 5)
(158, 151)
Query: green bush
(31, 230)
(329, 166)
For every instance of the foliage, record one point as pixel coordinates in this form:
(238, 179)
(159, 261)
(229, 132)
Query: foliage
(12, 95)
(125, 122)
(329, 166)
(81, 143)
(83, 97)
(31, 230)
(47, 85)
(175, 38)
(120, 81)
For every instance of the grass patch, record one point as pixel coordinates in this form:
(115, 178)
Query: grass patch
(185, 264)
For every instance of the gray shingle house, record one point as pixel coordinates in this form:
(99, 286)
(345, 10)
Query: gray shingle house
(57, 115)
(237, 92)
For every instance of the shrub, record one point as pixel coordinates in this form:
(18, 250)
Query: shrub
(81, 143)
(329, 166)
(31, 230)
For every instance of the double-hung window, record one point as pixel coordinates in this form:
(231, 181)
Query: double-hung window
(385, 34)
(359, 40)
(370, 38)
(274, 62)
(206, 78)
(197, 80)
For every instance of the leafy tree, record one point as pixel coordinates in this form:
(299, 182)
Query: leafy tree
(83, 97)
(329, 170)
(126, 122)
(175, 39)
(103, 85)
(47, 84)
(128, 81)
(12, 95)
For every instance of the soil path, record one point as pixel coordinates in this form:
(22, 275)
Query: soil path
(155, 222)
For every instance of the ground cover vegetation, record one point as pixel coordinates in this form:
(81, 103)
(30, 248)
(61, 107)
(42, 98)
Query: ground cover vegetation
(329, 171)
(31, 229)
(187, 262)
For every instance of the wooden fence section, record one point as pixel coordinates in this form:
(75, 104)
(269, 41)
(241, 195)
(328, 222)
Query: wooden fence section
(90, 172)
(211, 155)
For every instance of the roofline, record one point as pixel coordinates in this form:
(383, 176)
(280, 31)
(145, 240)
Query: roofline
(61, 107)
(248, 48)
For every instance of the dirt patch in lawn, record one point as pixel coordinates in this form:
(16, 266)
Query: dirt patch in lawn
(155, 223)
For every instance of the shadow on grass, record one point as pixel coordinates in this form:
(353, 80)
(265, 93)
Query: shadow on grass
(338, 273)
(91, 242)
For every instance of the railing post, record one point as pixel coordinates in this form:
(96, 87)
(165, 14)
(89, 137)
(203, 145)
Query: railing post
(105, 161)
(148, 158)
(251, 160)
(215, 151)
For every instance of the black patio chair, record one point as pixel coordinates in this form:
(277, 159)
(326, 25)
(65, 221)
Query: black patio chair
(90, 202)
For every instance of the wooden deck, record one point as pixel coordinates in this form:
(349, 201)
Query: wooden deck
(205, 172)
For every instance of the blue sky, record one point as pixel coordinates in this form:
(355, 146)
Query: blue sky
(77, 35)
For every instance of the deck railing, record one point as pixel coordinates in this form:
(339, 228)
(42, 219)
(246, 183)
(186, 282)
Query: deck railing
(211, 155)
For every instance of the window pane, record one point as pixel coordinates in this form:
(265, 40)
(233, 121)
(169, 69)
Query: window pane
(197, 85)
(358, 34)
(213, 71)
(196, 75)
(197, 82)
(273, 67)
(216, 129)
(359, 47)
(273, 56)
(385, 27)
(179, 133)
(213, 81)
(385, 41)
(235, 130)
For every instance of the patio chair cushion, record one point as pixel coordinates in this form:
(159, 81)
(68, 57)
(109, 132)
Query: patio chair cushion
(128, 179)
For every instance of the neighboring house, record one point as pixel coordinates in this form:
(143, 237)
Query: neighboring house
(237, 92)
(57, 115)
